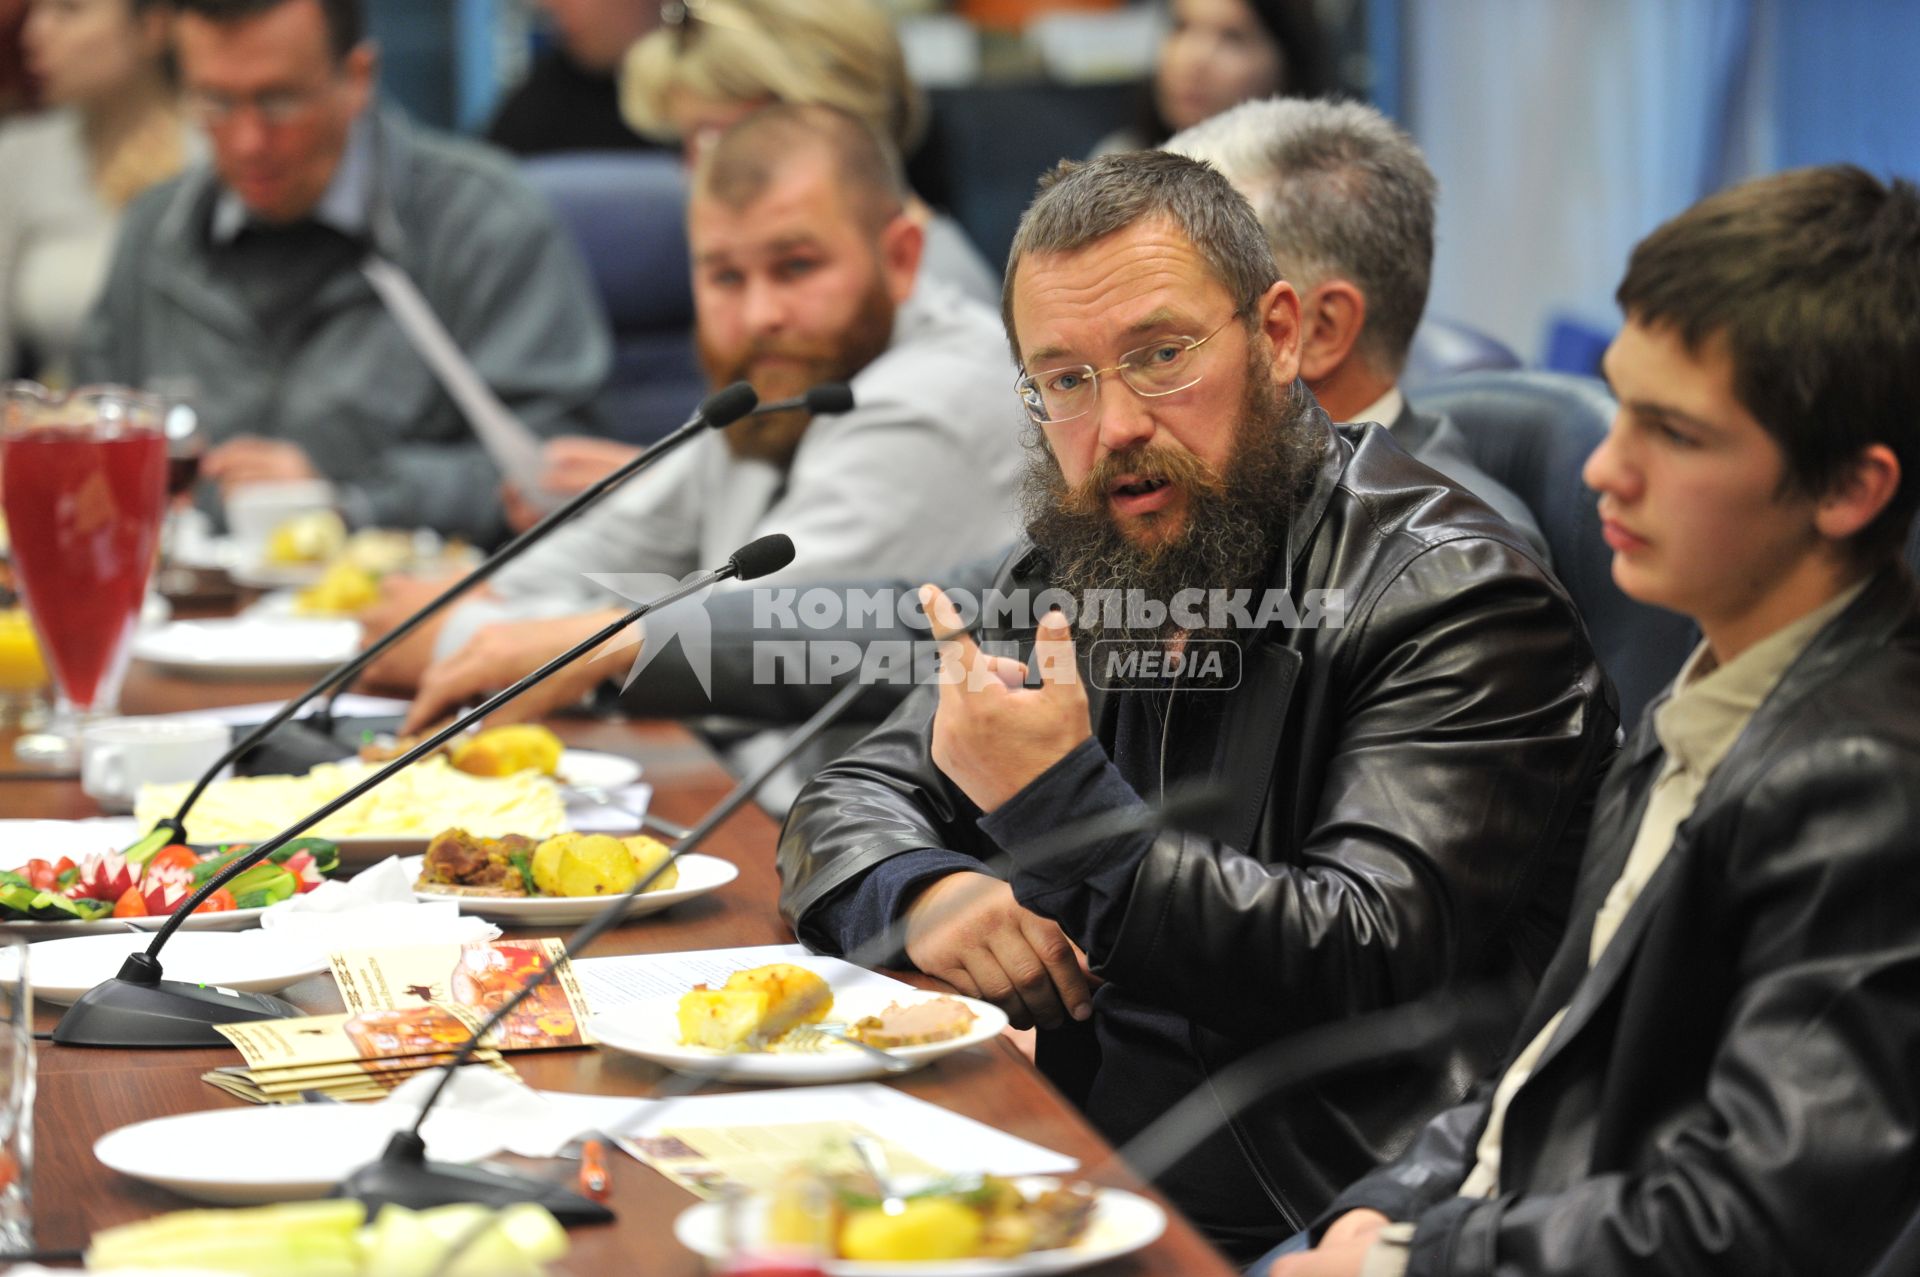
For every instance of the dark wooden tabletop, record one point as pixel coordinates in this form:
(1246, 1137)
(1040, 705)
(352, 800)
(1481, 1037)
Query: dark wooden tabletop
(86, 1092)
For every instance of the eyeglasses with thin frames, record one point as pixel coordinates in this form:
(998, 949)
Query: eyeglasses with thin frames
(277, 107)
(1163, 367)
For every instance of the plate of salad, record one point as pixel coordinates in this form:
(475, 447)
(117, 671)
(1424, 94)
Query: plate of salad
(81, 881)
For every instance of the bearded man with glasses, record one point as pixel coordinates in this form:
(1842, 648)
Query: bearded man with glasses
(1400, 702)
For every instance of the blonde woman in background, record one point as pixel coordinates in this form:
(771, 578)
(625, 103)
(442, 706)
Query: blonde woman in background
(713, 62)
(115, 128)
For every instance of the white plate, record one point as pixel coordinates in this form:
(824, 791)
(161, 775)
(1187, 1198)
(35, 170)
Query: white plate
(250, 647)
(24, 840)
(609, 772)
(270, 1153)
(1122, 1223)
(698, 875)
(650, 1030)
(251, 574)
(254, 962)
(592, 769)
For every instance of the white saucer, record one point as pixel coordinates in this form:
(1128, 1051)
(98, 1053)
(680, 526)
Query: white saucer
(271, 1153)
(247, 962)
(249, 647)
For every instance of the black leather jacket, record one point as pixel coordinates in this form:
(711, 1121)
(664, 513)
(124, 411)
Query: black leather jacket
(1411, 796)
(1736, 1086)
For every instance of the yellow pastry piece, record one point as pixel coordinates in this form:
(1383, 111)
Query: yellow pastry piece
(502, 751)
(795, 994)
(721, 1019)
(766, 1001)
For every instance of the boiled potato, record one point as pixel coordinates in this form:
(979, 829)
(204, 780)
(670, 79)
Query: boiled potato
(594, 865)
(927, 1228)
(803, 1214)
(649, 852)
(502, 751)
(546, 863)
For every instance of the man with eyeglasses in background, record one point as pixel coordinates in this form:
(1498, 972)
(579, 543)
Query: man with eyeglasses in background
(1406, 717)
(244, 283)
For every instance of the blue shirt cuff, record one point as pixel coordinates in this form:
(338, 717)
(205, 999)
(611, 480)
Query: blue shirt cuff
(1083, 888)
(872, 904)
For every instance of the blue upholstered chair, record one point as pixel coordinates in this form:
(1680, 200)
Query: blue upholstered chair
(627, 213)
(1442, 348)
(1533, 431)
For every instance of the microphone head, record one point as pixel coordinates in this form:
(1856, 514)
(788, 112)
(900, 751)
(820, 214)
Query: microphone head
(728, 404)
(830, 397)
(762, 555)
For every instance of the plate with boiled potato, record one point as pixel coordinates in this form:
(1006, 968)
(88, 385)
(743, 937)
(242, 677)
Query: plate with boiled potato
(558, 881)
(1056, 1228)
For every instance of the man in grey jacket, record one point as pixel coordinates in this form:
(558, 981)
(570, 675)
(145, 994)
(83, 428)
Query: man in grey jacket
(806, 270)
(244, 280)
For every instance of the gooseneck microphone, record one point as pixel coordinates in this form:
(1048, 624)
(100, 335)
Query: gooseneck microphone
(140, 1008)
(716, 412)
(403, 1176)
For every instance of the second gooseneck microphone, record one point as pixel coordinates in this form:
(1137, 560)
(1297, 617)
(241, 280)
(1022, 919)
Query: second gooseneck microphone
(138, 1007)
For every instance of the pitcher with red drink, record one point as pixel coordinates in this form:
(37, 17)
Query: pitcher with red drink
(83, 483)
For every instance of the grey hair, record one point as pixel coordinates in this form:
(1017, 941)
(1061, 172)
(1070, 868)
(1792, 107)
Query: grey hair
(1343, 193)
(1079, 203)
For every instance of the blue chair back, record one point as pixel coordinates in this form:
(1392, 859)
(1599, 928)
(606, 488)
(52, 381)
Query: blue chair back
(1442, 348)
(627, 213)
(1533, 431)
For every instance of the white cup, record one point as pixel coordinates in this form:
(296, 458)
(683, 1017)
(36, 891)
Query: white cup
(119, 755)
(256, 510)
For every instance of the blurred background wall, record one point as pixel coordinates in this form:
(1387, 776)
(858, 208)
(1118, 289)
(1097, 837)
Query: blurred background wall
(1561, 130)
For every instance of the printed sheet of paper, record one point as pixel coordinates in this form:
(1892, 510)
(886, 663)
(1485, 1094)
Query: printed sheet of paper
(705, 1160)
(750, 1138)
(370, 1036)
(643, 977)
(476, 978)
(245, 1084)
(347, 1057)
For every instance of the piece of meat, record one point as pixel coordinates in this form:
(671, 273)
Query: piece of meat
(916, 1024)
(456, 858)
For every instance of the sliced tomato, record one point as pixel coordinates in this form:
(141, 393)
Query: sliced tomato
(131, 904)
(220, 901)
(170, 860)
(63, 866)
(40, 873)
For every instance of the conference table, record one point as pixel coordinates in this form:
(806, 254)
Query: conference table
(86, 1092)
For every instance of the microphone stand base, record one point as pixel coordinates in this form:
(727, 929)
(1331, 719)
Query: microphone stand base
(135, 1013)
(404, 1177)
